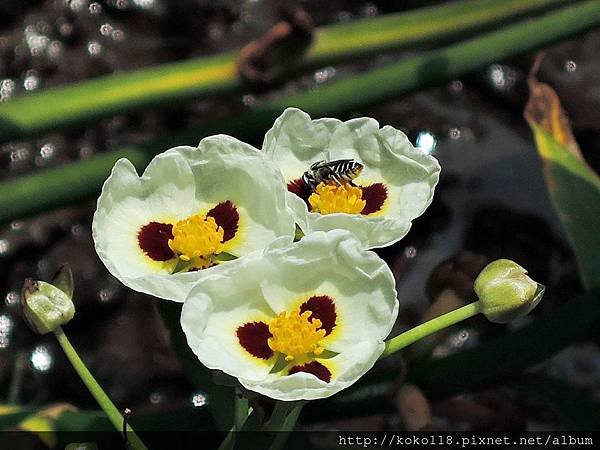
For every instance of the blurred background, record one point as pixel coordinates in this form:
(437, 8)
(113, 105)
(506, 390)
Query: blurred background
(492, 202)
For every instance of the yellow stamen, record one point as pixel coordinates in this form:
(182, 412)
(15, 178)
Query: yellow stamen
(295, 335)
(331, 198)
(196, 237)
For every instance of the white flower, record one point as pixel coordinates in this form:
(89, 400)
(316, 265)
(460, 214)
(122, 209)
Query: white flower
(395, 185)
(191, 210)
(294, 322)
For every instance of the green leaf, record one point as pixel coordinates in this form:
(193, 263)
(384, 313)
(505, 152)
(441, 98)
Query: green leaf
(79, 103)
(220, 398)
(58, 186)
(573, 186)
(11, 415)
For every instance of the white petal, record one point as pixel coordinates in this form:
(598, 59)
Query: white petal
(346, 369)
(164, 193)
(227, 169)
(333, 264)
(388, 157)
(176, 184)
(225, 300)
(295, 141)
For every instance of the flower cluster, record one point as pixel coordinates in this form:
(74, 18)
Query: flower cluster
(214, 226)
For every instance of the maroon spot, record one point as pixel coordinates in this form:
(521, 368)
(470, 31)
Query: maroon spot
(374, 197)
(227, 217)
(314, 368)
(300, 188)
(254, 336)
(153, 239)
(322, 308)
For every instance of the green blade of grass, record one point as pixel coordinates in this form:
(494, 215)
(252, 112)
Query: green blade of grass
(54, 187)
(83, 102)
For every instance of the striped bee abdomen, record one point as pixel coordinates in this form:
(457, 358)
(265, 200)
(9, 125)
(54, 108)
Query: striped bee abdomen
(338, 171)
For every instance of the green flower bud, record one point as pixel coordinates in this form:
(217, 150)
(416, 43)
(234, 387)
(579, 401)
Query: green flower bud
(46, 306)
(506, 292)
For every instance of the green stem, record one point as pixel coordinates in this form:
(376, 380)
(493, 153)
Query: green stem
(288, 426)
(90, 382)
(77, 181)
(431, 326)
(242, 410)
(16, 382)
(278, 416)
(83, 102)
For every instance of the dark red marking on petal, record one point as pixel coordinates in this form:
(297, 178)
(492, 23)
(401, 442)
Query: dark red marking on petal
(323, 308)
(153, 239)
(374, 197)
(314, 368)
(300, 188)
(254, 336)
(227, 217)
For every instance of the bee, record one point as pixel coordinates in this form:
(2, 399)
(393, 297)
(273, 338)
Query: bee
(337, 171)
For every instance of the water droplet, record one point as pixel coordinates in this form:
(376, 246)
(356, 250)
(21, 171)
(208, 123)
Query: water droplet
(106, 295)
(410, 252)
(16, 225)
(144, 4)
(456, 86)
(77, 230)
(6, 326)
(106, 29)
(215, 32)
(118, 35)
(41, 359)
(370, 10)
(156, 398)
(570, 66)
(7, 89)
(325, 74)
(11, 299)
(344, 16)
(426, 142)
(94, 48)
(95, 8)
(199, 399)
(248, 99)
(31, 82)
(454, 133)
(4, 246)
(502, 77)
(122, 4)
(77, 5)
(47, 150)
(19, 154)
(55, 49)
(86, 152)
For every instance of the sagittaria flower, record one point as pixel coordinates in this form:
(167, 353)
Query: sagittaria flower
(300, 322)
(379, 185)
(193, 209)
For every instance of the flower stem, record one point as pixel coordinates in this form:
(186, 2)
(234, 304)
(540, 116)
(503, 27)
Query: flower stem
(288, 425)
(17, 377)
(242, 411)
(431, 326)
(90, 382)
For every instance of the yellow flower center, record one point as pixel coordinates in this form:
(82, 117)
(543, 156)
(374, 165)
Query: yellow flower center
(295, 335)
(196, 237)
(331, 198)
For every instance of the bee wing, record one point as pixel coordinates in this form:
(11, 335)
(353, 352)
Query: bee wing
(318, 164)
(323, 164)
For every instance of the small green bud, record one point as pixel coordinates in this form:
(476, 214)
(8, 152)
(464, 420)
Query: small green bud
(506, 292)
(45, 306)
